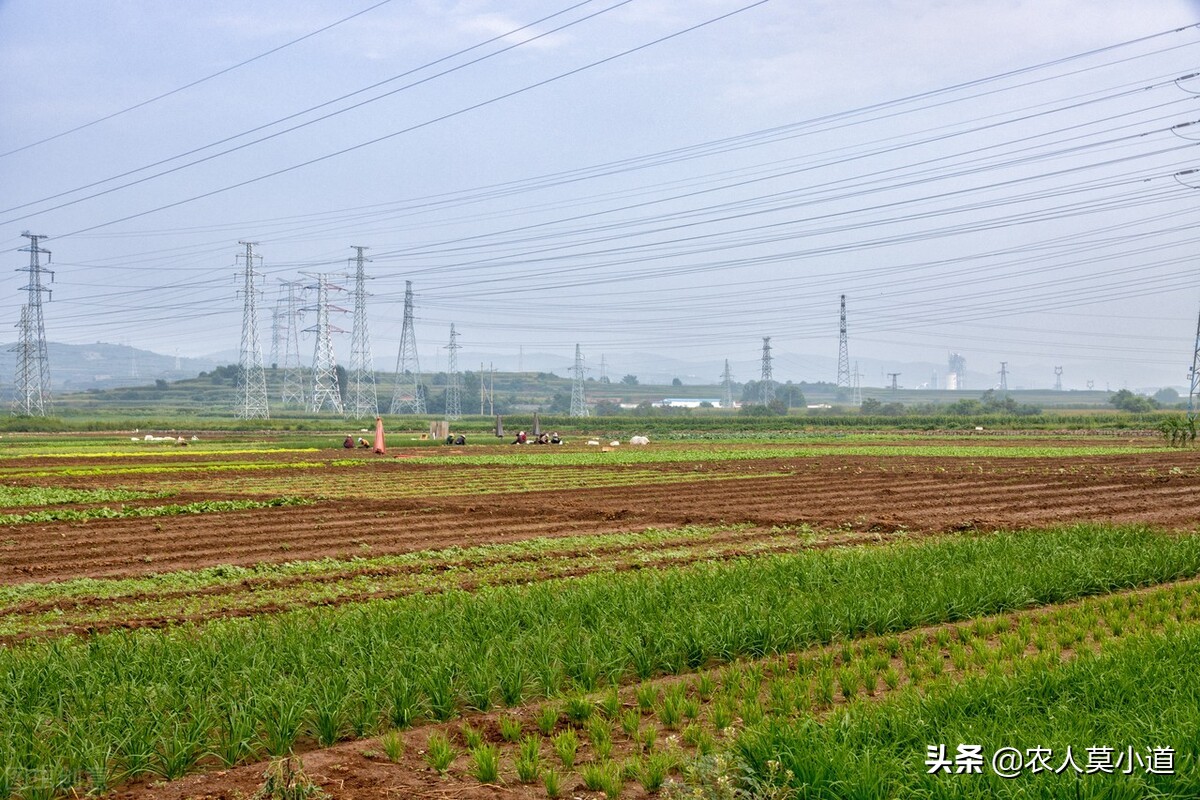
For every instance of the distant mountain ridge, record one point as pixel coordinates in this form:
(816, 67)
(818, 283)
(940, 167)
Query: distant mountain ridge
(79, 367)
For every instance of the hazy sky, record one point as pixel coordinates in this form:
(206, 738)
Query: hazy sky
(995, 178)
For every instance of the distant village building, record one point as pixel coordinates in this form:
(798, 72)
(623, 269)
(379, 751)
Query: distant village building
(688, 402)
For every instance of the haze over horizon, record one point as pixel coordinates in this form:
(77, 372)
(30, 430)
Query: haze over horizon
(633, 176)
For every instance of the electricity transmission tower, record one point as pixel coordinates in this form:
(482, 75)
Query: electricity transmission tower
(293, 369)
(893, 376)
(453, 399)
(727, 387)
(407, 394)
(364, 402)
(325, 389)
(26, 400)
(1004, 376)
(252, 380)
(578, 405)
(276, 332)
(33, 363)
(843, 373)
(1058, 379)
(766, 384)
(1193, 376)
(856, 395)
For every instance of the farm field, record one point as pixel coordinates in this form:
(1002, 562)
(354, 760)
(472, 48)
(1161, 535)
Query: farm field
(735, 618)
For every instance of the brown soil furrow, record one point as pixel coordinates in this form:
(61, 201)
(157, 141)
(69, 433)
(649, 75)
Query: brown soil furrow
(129, 554)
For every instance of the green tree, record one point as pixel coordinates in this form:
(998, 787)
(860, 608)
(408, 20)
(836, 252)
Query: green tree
(630, 380)
(791, 395)
(607, 408)
(1126, 400)
(1166, 396)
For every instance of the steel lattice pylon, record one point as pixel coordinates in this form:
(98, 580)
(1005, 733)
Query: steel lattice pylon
(578, 404)
(33, 363)
(1194, 377)
(363, 398)
(727, 387)
(843, 373)
(277, 315)
(766, 383)
(453, 398)
(293, 392)
(252, 380)
(408, 396)
(325, 390)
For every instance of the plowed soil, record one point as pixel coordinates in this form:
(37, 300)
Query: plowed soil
(860, 493)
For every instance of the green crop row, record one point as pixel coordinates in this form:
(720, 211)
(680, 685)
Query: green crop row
(92, 712)
(130, 512)
(156, 469)
(1112, 709)
(12, 496)
(653, 455)
(392, 483)
(71, 449)
(423, 561)
(694, 722)
(372, 579)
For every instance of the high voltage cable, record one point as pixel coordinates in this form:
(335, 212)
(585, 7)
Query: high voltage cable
(714, 240)
(1140, 88)
(688, 246)
(196, 82)
(309, 216)
(305, 111)
(427, 123)
(725, 264)
(485, 241)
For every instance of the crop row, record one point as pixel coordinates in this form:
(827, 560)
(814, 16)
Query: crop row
(1116, 724)
(434, 560)
(23, 496)
(139, 602)
(644, 731)
(130, 703)
(391, 484)
(653, 455)
(133, 512)
(120, 448)
(72, 471)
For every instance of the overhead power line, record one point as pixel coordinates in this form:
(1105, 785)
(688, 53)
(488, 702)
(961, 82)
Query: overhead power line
(196, 82)
(418, 126)
(299, 126)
